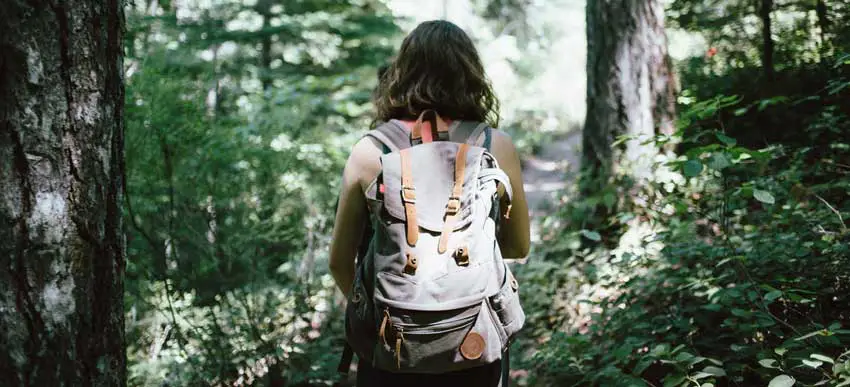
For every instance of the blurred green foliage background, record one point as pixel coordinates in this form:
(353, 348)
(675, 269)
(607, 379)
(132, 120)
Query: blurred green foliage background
(731, 268)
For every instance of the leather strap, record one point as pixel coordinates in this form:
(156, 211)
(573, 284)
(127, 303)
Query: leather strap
(408, 197)
(345, 361)
(382, 331)
(506, 366)
(453, 206)
(441, 132)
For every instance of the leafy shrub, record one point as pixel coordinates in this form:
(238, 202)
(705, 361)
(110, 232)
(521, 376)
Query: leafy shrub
(738, 274)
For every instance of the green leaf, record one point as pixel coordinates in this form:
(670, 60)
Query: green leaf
(609, 199)
(642, 366)
(674, 380)
(714, 371)
(712, 307)
(763, 196)
(812, 363)
(780, 351)
(822, 358)
(838, 368)
(719, 161)
(592, 235)
(770, 296)
(684, 356)
(692, 168)
(782, 381)
(729, 141)
(768, 363)
(821, 332)
(843, 60)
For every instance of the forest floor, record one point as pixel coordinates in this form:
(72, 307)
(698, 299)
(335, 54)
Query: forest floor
(547, 172)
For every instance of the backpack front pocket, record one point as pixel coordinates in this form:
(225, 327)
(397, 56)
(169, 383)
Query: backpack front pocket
(436, 342)
(360, 324)
(506, 305)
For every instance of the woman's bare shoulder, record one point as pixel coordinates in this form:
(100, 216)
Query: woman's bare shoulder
(364, 163)
(503, 148)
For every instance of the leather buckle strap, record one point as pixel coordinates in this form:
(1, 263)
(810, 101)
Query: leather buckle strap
(408, 197)
(408, 194)
(453, 206)
(439, 129)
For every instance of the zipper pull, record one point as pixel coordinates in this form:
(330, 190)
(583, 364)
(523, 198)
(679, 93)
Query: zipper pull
(382, 332)
(399, 338)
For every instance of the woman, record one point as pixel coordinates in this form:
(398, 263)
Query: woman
(437, 68)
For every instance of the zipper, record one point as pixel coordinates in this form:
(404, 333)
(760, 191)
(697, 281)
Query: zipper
(443, 327)
(382, 331)
(398, 340)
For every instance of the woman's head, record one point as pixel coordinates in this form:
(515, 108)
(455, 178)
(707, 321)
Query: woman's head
(437, 68)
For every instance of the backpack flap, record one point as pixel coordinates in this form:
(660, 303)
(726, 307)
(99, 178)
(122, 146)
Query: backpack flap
(432, 174)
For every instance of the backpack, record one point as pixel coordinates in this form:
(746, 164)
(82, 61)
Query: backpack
(432, 293)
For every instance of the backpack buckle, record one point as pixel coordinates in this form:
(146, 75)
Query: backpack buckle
(411, 264)
(462, 256)
(408, 194)
(453, 206)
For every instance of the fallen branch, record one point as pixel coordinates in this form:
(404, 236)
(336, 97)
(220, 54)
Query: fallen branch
(837, 213)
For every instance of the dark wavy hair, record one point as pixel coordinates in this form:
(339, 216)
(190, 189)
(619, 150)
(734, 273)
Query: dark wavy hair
(437, 68)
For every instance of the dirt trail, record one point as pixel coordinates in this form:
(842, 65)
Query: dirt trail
(548, 172)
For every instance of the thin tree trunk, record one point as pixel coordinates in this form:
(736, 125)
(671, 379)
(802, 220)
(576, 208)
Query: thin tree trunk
(629, 87)
(61, 160)
(263, 7)
(822, 12)
(767, 38)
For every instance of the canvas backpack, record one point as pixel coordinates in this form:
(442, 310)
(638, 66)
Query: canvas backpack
(432, 293)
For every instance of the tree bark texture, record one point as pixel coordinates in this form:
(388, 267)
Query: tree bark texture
(630, 86)
(61, 178)
(765, 9)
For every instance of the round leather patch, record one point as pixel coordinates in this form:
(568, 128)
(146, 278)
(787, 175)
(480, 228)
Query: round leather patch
(472, 346)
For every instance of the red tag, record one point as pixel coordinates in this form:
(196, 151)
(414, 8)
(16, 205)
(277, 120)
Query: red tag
(382, 188)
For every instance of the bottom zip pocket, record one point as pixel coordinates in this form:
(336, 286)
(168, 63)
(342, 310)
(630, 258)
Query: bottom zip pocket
(431, 342)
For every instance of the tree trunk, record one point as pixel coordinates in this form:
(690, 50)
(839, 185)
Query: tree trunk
(61, 177)
(767, 38)
(822, 12)
(630, 87)
(263, 7)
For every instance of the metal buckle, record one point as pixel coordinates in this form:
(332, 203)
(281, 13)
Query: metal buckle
(404, 194)
(453, 206)
(462, 256)
(412, 264)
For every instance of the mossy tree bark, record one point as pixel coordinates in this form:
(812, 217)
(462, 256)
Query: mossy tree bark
(61, 179)
(630, 88)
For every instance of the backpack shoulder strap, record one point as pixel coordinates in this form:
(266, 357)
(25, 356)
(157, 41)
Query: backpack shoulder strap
(391, 135)
(467, 132)
(470, 132)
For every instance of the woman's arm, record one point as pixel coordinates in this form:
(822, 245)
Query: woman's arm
(351, 214)
(515, 235)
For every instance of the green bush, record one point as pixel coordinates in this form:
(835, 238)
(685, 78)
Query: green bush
(738, 272)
